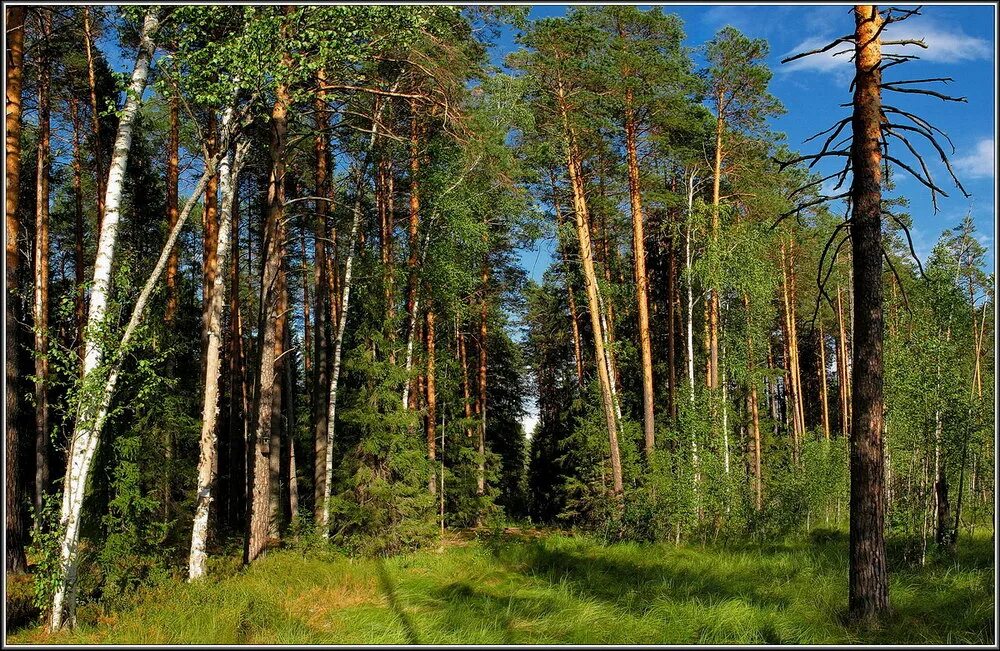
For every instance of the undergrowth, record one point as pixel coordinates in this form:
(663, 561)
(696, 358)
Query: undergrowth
(512, 587)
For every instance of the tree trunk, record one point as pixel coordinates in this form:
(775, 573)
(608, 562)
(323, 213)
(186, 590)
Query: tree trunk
(229, 170)
(590, 281)
(260, 443)
(843, 375)
(87, 434)
(869, 590)
(822, 385)
(79, 264)
(564, 260)
(713, 306)
(41, 302)
(342, 321)
(641, 279)
(481, 396)
(320, 383)
(173, 177)
(278, 397)
(467, 402)
(752, 408)
(99, 175)
(14, 537)
(411, 263)
(431, 397)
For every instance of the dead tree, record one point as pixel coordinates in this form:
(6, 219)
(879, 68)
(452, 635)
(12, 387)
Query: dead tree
(865, 150)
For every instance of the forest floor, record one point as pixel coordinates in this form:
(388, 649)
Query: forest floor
(527, 587)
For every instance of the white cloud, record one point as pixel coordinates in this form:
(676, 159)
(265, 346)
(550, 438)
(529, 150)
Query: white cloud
(945, 44)
(979, 163)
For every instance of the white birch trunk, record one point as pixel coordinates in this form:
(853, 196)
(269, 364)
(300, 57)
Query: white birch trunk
(229, 170)
(87, 433)
(342, 322)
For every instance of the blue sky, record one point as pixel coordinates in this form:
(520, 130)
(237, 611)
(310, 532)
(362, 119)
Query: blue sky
(961, 44)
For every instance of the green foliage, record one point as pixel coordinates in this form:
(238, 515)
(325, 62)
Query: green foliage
(131, 555)
(44, 551)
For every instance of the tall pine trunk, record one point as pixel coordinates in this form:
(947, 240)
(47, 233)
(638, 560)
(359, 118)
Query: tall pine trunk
(173, 176)
(590, 280)
(15, 561)
(431, 397)
(641, 278)
(868, 585)
(99, 173)
(41, 302)
(260, 444)
(323, 299)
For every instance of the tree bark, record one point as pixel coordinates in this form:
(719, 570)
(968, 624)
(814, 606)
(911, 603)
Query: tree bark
(822, 385)
(564, 259)
(467, 402)
(79, 264)
(338, 339)
(641, 279)
(260, 444)
(713, 307)
(87, 434)
(431, 397)
(41, 302)
(411, 263)
(229, 170)
(481, 403)
(843, 375)
(279, 396)
(99, 174)
(173, 177)
(15, 561)
(868, 585)
(590, 281)
(323, 298)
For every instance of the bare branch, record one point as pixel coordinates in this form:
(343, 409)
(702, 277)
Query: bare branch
(907, 41)
(923, 91)
(930, 137)
(813, 157)
(929, 183)
(847, 38)
(909, 240)
(892, 267)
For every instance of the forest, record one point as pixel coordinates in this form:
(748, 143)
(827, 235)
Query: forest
(463, 324)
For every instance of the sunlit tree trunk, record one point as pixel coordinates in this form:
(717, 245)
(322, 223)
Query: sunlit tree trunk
(279, 396)
(590, 280)
(229, 169)
(260, 443)
(341, 322)
(431, 397)
(869, 588)
(41, 302)
(320, 382)
(467, 401)
(99, 175)
(564, 260)
(411, 263)
(822, 385)
(87, 432)
(15, 561)
(641, 278)
(481, 401)
(173, 144)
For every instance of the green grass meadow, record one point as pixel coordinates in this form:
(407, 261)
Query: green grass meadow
(553, 588)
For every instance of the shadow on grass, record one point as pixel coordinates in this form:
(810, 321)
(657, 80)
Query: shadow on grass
(389, 589)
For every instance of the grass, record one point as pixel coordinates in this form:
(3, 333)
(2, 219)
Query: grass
(556, 589)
